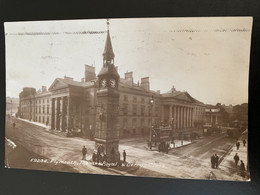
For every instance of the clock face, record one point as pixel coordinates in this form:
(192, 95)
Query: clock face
(103, 82)
(112, 83)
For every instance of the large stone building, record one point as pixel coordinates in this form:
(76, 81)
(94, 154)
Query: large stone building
(72, 105)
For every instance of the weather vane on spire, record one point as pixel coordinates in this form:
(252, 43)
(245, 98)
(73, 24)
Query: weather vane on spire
(108, 23)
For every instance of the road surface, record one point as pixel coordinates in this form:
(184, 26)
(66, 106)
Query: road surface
(191, 161)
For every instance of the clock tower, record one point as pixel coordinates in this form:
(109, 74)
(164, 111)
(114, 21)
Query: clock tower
(107, 132)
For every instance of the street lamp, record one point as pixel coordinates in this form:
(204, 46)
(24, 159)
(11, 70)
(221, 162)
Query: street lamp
(151, 101)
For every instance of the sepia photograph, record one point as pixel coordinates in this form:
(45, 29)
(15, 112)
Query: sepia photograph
(148, 97)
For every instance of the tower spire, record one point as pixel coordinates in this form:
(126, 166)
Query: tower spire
(108, 54)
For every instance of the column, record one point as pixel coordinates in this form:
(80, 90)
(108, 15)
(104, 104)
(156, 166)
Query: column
(58, 115)
(185, 118)
(189, 117)
(170, 114)
(63, 113)
(174, 116)
(179, 117)
(183, 115)
(69, 120)
(192, 117)
(53, 113)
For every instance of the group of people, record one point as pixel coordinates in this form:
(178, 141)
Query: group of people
(238, 144)
(214, 161)
(236, 159)
(163, 147)
(99, 155)
(242, 165)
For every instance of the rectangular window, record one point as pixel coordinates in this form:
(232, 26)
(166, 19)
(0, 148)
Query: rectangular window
(48, 109)
(43, 109)
(134, 109)
(39, 119)
(39, 109)
(134, 99)
(125, 98)
(142, 101)
(43, 119)
(142, 110)
(125, 109)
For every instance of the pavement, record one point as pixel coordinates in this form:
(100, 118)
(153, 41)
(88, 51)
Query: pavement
(228, 162)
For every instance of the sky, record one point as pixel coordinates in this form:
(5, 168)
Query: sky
(208, 57)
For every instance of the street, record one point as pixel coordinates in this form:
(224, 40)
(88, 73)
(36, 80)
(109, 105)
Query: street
(191, 161)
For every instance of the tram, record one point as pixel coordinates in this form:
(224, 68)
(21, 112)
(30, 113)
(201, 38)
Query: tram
(160, 134)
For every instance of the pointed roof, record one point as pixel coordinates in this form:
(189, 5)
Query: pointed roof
(108, 53)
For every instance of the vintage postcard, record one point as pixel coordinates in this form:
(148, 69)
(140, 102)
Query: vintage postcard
(153, 97)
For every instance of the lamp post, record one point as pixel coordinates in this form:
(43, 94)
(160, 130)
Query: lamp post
(151, 101)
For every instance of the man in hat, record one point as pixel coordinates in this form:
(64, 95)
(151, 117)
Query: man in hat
(84, 152)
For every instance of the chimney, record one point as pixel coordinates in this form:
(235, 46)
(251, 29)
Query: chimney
(129, 78)
(145, 83)
(44, 89)
(82, 80)
(89, 73)
(158, 91)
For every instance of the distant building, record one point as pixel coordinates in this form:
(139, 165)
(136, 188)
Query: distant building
(228, 109)
(69, 104)
(212, 116)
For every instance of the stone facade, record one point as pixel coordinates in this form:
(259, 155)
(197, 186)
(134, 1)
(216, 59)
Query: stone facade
(70, 105)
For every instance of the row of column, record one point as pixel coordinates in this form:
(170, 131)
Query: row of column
(61, 113)
(180, 116)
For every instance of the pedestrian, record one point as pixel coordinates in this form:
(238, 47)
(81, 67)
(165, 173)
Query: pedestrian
(236, 158)
(94, 157)
(244, 142)
(97, 157)
(13, 124)
(105, 158)
(167, 148)
(216, 160)
(213, 161)
(242, 168)
(238, 144)
(84, 152)
(124, 155)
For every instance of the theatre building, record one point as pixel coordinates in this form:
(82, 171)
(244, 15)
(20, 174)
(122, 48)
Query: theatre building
(70, 105)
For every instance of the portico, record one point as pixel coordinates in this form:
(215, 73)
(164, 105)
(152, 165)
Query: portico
(180, 116)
